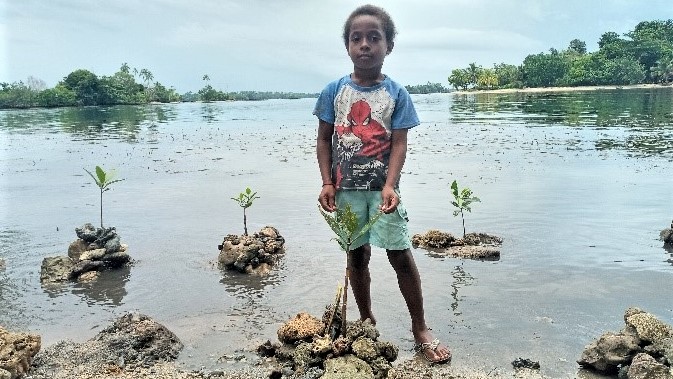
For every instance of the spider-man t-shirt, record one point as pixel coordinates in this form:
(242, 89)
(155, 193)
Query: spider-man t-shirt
(363, 119)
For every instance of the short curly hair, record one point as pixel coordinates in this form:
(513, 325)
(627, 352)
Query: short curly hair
(378, 12)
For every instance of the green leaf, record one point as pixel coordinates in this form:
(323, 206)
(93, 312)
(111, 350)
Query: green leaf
(454, 189)
(463, 200)
(344, 224)
(101, 174)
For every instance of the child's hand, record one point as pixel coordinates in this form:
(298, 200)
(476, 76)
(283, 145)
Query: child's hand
(390, 200)
(327, 198)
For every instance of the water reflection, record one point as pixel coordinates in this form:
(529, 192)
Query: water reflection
(247, 286)
(210, 112)
(461, 278)
(108, 289)
(645, 114)
(252, 310)
(123, 122)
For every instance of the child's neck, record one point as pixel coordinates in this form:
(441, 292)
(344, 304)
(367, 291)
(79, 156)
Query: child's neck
(367, 78)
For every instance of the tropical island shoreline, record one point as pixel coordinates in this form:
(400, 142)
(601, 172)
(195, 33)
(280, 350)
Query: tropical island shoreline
(561, 89)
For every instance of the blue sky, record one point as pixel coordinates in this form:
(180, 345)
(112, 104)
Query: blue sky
(291, 45)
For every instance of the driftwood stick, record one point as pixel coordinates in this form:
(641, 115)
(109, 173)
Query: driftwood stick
(345, 302)
(337, 301)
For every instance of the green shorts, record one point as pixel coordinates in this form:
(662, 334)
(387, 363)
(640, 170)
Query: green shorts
(389, 232)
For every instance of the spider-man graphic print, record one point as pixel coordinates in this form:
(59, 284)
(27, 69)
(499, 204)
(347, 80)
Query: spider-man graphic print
(363, 119)
(363, 149)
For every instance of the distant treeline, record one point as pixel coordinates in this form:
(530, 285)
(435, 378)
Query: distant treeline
(127, 86)
(427, 88)
(644, 55)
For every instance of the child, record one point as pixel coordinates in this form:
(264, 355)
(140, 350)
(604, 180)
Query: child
(361, 147)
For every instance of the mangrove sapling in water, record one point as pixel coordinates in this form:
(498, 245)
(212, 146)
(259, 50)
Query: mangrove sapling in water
(462, 200)
(103, 180)
(344, 223)
(245, 200)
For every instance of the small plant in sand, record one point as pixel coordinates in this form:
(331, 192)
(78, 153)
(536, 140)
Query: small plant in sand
(103, 180)
(462, 200)
(344, 223)
(245, 200)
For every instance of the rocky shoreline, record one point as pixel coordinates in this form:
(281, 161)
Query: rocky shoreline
(136, 346)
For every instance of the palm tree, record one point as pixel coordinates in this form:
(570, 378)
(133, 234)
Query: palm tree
(147, 78)
(663, 71)
(473, 72)
(487, 78)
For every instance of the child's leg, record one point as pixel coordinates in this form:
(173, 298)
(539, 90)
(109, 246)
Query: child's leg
(409, 281)
(360, 280)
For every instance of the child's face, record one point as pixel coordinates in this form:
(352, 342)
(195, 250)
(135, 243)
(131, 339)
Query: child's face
(367, 45)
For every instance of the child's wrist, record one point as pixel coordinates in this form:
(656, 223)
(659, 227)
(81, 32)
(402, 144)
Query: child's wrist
(328, 184)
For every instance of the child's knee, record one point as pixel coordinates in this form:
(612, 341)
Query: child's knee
(359, 257)
(400, 258)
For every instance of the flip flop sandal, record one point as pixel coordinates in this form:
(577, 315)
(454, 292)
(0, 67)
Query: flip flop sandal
(424, 347)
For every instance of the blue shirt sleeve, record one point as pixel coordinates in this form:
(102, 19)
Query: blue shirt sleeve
(324, 107)
(404, 116)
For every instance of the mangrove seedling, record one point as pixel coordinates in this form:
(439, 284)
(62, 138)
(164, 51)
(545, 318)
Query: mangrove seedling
(462, 200)
(103, 180)
(344, 223)
(245, 200)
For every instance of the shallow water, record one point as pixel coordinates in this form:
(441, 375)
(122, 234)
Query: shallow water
(577, 185)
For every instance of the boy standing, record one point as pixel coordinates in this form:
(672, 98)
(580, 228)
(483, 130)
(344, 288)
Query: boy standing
(361, 147)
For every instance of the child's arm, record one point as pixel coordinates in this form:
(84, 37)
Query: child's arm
(324, 154)
(398, 153)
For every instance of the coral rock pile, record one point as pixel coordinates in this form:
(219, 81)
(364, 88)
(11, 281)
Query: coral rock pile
(472, 246)
(134, 341)
(16, 353)
(94, 250)
(643, 349)
(252, 254)
(310, 349)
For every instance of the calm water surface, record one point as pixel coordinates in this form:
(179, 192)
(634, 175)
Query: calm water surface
(578, 185)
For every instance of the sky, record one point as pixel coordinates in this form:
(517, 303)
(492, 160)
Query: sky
(291, 45)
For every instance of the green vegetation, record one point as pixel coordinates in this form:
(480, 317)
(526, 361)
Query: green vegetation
(644, 55)
(462, 200)
(427, 88)
(127, 86)
(344, 223)
(103, 180)
(83, 87)
(245, 200)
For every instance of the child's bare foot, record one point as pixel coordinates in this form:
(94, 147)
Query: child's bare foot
(433, 351)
